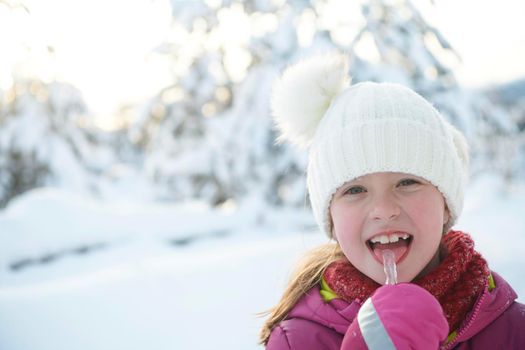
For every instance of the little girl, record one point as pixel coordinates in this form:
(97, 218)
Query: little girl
(386, 172)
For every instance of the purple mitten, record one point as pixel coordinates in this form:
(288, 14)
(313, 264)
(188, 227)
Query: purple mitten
(402, 316)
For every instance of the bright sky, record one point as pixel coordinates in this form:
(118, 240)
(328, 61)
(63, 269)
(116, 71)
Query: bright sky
(103, 47)
(100, 46)
(489, 35)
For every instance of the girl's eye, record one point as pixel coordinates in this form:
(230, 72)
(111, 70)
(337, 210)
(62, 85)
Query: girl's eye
(355, 190)
(408, 182)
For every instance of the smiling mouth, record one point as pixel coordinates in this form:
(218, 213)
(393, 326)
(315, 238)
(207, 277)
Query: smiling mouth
(398, 242)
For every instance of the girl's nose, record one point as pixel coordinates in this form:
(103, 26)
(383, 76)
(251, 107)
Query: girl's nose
(384, 207)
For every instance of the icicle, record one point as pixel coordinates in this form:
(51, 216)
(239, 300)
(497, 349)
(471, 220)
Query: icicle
(389, 264)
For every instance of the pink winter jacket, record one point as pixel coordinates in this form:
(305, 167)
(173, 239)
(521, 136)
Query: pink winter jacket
(497, 321)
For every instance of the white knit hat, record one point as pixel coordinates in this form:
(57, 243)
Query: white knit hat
(365, 128)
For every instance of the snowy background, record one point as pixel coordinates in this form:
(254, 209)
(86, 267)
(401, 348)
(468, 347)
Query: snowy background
(151, 207)
(83, 274)
(134, 276)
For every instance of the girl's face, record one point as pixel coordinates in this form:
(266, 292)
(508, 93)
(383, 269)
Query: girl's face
(396, 211)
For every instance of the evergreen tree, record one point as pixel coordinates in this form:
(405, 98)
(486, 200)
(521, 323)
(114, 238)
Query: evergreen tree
(403, 47)
(216, 141)
(210, 134)
(45, 139)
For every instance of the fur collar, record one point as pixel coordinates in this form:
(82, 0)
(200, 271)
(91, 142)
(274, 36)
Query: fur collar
(456, 283)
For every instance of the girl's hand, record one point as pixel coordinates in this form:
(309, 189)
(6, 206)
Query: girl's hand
(402, 316)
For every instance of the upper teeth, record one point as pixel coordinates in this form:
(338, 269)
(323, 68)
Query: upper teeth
(384, 239)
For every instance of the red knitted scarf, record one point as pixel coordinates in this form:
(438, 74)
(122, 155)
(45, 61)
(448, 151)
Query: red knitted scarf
(456, 282)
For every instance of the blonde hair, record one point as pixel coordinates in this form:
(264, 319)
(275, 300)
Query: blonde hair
(307, 274)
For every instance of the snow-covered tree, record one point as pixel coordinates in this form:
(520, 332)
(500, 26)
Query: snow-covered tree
(45, 139)
(399, 45)
(210, 134)
(47, 135)
(505, 144)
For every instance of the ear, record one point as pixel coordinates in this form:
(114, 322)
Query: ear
(332, 229)
(332, 232)
(446, 215)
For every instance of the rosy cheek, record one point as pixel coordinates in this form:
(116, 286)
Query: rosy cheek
(420, 201)
(418, 207)
(346, 224)
(425, 210)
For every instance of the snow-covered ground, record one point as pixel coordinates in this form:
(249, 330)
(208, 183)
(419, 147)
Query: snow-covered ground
(80, 274)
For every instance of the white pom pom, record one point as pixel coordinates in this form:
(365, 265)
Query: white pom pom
(304, 93)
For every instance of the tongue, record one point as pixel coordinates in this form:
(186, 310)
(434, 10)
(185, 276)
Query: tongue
(399, 248)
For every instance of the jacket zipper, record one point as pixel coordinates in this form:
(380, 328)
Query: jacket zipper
(467, 326)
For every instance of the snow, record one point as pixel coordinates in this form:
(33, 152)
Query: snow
(132, 270)
(134, 275)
